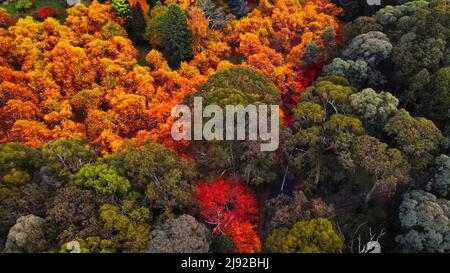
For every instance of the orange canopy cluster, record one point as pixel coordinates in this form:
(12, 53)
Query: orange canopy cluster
(82, 78)
(78, 79)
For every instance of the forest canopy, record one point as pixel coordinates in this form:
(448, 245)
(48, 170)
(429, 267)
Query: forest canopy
(88, 164)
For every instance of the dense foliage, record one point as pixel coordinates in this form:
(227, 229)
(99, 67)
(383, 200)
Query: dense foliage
(88, 164)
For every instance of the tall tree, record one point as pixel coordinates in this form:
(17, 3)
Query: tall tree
(236, 158)
(138, 23)
(175, 37)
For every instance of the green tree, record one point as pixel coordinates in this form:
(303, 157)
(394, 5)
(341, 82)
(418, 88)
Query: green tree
(440, 180)
(417, 138)
(276, 240)
(137, 24)
(222, 244)
(121, 7)
(425, 222)
(23, 4)
(284, 210)
(435, 102)
(102, 177)
(374, 108)
(74, 213)
(175, 37)
(18, 163)
(86, 100)
(361, 25)
(331, 93)
(313, 236)
(126, 226)
(112, 29)
(153, 20)
(161, 174)
(358, 72)
(216, 13)
(320, 126)
(420, 59)
(385, 166)
(238, 158)
(68, 155)
(24, 187)
(255, 86)
(372, 47)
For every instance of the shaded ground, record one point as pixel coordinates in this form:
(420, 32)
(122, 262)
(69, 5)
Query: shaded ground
(142, 53)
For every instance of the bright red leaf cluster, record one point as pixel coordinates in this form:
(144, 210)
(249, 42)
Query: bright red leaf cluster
(45, 12)
(231, 207)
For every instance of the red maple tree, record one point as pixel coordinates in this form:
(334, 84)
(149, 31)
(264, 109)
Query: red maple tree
(231, 208)
(45, 12)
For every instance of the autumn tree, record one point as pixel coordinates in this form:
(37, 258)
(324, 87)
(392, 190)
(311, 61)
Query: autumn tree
(230, 207)
(121, 100)
(5, 19)
(267, 45)
(65, 97)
